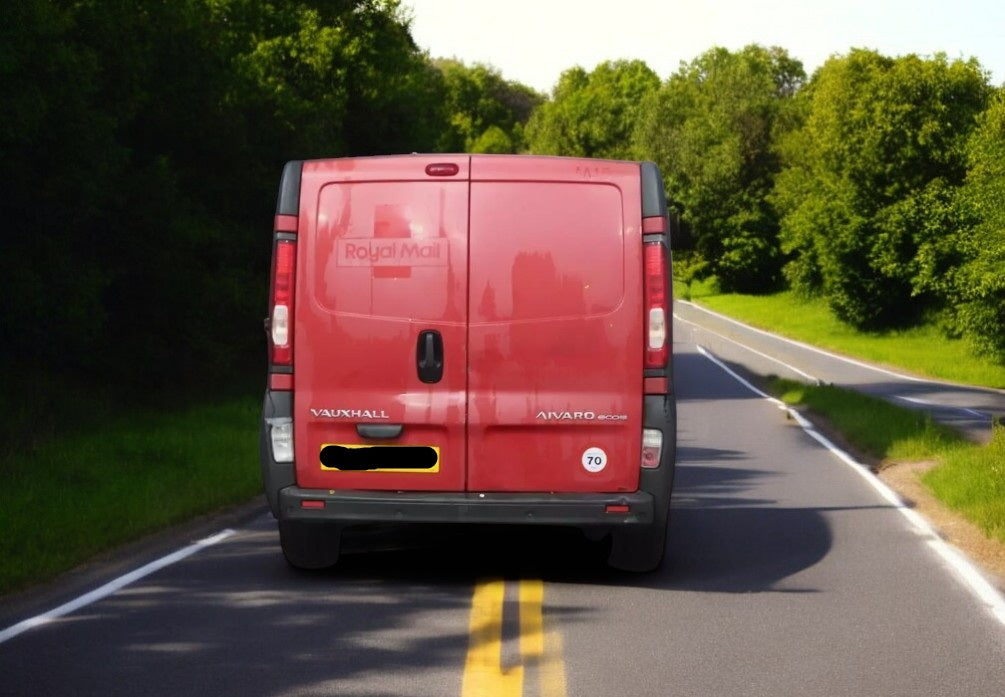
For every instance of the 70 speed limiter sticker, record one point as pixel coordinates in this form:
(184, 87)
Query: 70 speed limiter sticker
(594, 460)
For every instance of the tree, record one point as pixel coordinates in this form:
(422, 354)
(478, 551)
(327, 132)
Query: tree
(592, 114)
(59, 159)
(485, 112)
(712, 128)
(142, 145)
(867, 193)
(977, 298)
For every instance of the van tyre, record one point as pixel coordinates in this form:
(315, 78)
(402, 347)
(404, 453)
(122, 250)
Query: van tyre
(639, 551)
(309, 545)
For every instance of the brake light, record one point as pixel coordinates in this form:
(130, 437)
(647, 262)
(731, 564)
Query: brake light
(657, 304)
(281, 323)
(442, 169)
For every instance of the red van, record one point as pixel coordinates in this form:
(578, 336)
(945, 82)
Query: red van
(470, 339)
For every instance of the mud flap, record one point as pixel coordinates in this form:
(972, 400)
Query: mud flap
(639, 550)
(642, 549)
(309, 544)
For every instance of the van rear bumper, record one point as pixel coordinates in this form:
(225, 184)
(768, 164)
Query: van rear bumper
(359, 507)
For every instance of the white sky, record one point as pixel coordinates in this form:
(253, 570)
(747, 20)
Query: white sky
(533, 41)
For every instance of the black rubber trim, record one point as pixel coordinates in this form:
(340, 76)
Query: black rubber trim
(659, 411)
(286, 236)
(654, 199)
(275, 475)
(357, 507)
(288, 201)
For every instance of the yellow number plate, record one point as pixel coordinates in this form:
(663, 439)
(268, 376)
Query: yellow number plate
(404, 459)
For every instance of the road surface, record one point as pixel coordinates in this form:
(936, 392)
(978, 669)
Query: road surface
(787, 573)
(969, 409)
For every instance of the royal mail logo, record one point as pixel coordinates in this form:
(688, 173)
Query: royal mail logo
(393, 252)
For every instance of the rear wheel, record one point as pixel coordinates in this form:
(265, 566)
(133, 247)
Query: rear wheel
(308, 545)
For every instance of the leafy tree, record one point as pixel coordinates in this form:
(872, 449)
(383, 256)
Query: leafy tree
(712, 128)
(486, 113)
(592, 114)
(978, 296)
(59, 158)
(867, 194)
(141, 150)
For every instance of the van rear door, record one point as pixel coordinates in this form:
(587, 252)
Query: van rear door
(381, 322)
(555, 325)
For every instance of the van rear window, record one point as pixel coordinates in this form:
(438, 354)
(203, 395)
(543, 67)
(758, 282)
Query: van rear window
(545, 250)
(391, 249)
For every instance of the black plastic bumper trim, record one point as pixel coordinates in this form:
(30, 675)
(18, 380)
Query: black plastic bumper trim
(357, 507)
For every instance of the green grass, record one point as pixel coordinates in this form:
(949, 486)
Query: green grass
(74, 496)
(922, 350)
(972, 481)
(968, 478)
(880, 430)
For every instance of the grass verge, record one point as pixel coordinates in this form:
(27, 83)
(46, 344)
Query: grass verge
(972, 482)
(921, 350)
(77, 495)
(969, 478)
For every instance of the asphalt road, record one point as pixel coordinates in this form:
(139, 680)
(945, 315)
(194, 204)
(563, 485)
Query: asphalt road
(969, 409)
(787, 573)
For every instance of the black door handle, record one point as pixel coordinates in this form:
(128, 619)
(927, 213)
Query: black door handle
(429, 356)
(379, 430)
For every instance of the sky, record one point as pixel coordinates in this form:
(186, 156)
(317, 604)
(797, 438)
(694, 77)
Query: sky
(533, 41)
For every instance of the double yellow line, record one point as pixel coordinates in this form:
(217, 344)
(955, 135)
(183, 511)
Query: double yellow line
(536, 665)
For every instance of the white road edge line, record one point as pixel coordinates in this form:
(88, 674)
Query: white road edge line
(949, 407)
(825, 352)
(811, 378)
(112, 586)
(913, 400)
(963, 568)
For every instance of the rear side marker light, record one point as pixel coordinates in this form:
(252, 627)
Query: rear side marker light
(281, 437)
(652, 448)
(657, 303)
(281, 319)
(311, 503)
(616, 508)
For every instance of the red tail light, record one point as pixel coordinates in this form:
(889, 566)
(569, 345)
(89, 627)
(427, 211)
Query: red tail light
(281, 317)
(657, 303)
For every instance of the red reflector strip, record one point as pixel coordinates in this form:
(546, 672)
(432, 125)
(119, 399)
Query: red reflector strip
(650, 386)
(280, 381)
(655, 224)
(286, 223)
(312, 504)
(616, 508)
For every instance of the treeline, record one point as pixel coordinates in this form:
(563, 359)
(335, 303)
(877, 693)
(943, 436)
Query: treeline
(142, 142)
(877, 183)
(140, 152)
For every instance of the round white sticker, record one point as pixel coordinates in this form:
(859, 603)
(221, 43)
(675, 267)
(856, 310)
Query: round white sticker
(594, 460)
